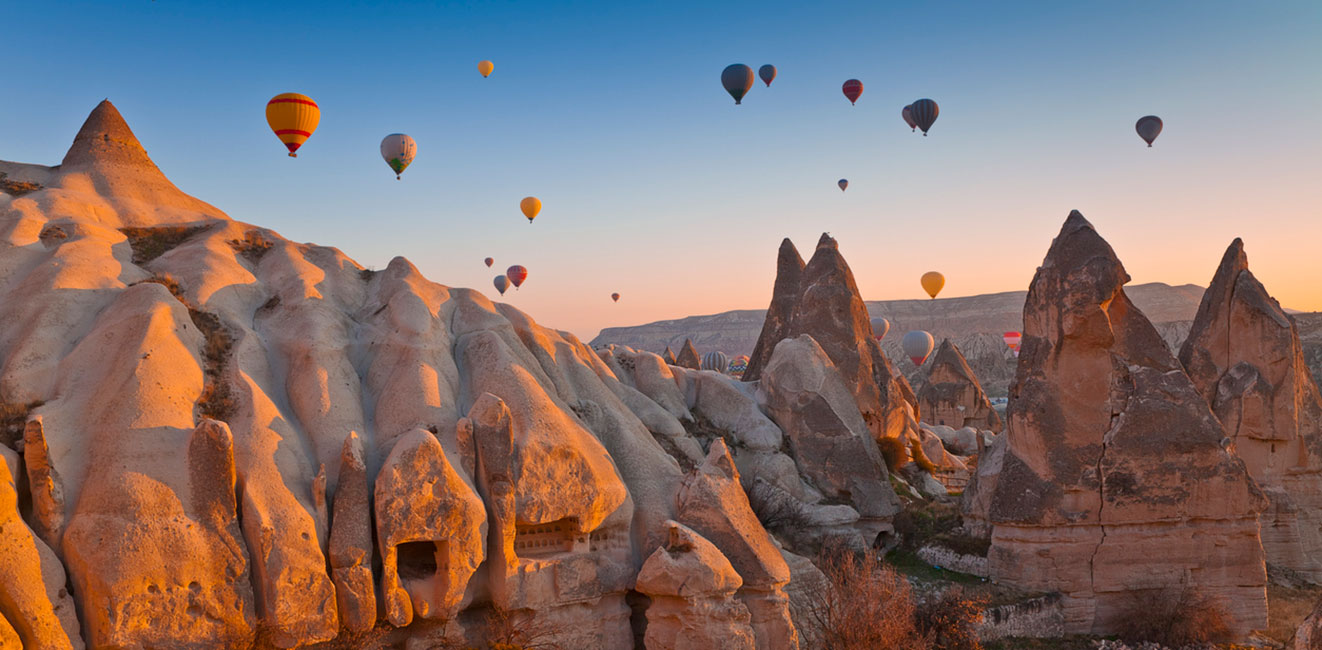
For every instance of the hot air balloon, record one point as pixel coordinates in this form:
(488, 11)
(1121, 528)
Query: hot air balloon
(933, 282)
(485, 68)
(924, 112)
(907, 114)
(1148, 127)
(530, 205)
(502, 283)
(717, 361)
(843, 183)
(294, 118)
(489, 262)
(517, 274)
(852, 89)
(738, 80)
(879, 328)
(615, 297)
(398, 150)
(1012, 340)
(767, 72)
(739, 365)
(917, 344)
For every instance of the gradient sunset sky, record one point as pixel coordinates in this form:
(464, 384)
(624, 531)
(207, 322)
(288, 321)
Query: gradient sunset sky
(657, 186)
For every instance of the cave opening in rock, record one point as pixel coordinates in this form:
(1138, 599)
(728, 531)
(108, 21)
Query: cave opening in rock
(417, 560)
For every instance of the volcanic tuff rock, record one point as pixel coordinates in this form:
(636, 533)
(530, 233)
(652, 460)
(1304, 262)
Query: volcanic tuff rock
(784, 298)
(1244, 356)
(1114, 479)
(204, 395)
(668, 356)
(952, 396)
(692, 588)
(688, 356)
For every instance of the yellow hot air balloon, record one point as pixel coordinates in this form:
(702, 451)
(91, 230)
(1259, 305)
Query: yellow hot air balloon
(293, 117)
(932, 283)
(531, 206)
(485, 67)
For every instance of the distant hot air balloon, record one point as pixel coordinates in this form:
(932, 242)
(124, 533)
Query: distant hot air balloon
(852, 89)
(1148, 127)
(485, 68)
(843, 183)
(502, 283)
(933, 282)
(917, 344)
(517, 274)
(739, 365)
(717, 361)
(531, 206)
(1012, 340)
(294, 118)
(767, 72)
(615, 297)
(879, 328)
(489, 261)
(924, 112)
(907, 114)
(398, 150)
(738, 80)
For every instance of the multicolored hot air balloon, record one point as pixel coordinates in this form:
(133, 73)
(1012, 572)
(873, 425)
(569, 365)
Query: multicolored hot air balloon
(294, 118)
(738, 80)
(767, 73)
(739, 366)
(615, 297)
(843, 183)
(879, 328)
(1012, 340)
(917, 345)
(530, 205)
(924, 112)
(398, 151)
(717, 361)
(489, 261)
(502, 283)
(932, 283)
(852, 89)
(517, 274)
(1148, 127)
(907, 114)
(485, 67)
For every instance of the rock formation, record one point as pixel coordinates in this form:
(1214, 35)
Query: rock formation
(692, 588)
(688, 356)
(784, 299)
(1114, 478)
(1244, 356)
(668, 356)
(951, 394)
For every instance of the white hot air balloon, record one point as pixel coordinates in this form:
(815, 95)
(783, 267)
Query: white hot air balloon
(879, 328)
(716, 360)
(917, 345)
(398, 151)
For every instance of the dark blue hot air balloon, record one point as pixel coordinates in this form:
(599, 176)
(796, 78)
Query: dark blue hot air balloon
(738, 80)
(767, 73)
(924, 112)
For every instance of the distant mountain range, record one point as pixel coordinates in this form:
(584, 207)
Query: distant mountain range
(974, 323)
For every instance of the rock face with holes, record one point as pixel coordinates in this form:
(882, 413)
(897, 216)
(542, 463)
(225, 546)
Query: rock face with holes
(1114, 478)
(951, 395)
(1244, 356)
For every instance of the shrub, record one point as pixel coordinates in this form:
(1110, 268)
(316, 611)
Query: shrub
(778, 511)
(253, 245)
(920, 458)
(1174, 617)
(217, 400)
(892, 449)
(863, 604)
(17, 188)
(13, 418)
(950, 621)
(166, 280)
(151, 243)
(923, 522)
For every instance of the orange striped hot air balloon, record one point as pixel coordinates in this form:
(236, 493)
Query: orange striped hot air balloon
(294, 118)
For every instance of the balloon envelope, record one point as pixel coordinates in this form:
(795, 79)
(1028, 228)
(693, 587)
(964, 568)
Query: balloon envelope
(933, 282)
(489, 262)
(1148, 127)
(843, 183)
(738, 80)
(924, 112)
(717, 361)
(1012, 340)
(398, 151)
(907, 114)
(879, 328)
(293, 118)
(917, 345)
(530, 205)
(485, 68)
(852, 89)
(517, 274)
(615, 297)
(502, 283)
(767, 73)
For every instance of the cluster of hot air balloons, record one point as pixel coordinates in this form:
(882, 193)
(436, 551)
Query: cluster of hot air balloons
(514, 275)
(737, 79)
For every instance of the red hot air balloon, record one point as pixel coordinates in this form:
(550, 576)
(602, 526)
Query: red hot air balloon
(1012, 340)
(489, 262)
(615, 297)
(517, 274)
(907, 114)
(852, 89)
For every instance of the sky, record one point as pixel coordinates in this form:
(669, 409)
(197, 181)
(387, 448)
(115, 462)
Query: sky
(657, 186)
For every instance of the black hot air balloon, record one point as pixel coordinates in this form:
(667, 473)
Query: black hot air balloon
(1148, 127)
(924, 112)
(738, 80)
(767, 73)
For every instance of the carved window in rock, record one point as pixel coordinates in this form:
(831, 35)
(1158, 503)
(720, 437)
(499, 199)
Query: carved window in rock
(551, 538)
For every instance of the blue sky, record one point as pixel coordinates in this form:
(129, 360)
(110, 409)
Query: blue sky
(657, 186)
